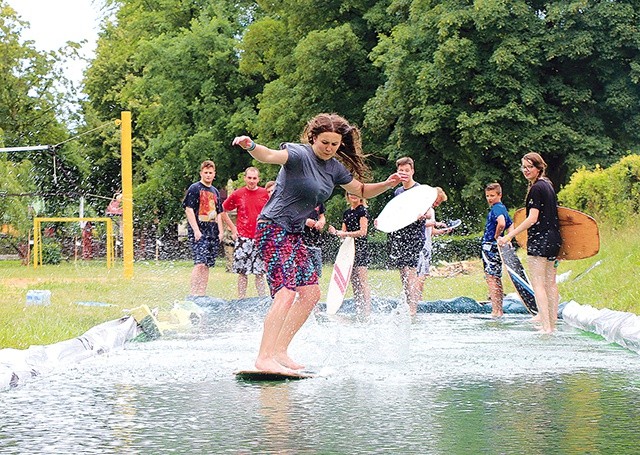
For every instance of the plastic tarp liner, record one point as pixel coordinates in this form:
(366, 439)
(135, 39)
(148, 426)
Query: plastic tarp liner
(511, 305)
(19, 365)
(618, 327)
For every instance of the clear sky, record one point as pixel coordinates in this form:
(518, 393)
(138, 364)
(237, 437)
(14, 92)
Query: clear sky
(54, 22)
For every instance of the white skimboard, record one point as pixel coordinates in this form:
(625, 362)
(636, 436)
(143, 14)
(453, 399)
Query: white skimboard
(453, 224)
(405, 208)
(341, 275)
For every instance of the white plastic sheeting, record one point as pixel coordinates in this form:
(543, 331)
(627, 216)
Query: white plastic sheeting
(19, 365)
(618, 327)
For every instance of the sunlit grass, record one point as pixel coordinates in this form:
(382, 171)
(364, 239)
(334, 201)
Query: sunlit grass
(160, 284)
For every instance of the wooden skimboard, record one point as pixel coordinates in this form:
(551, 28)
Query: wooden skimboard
(579, 232)
(258, 375)
(341, 275)
(518, 277)
(405, 208)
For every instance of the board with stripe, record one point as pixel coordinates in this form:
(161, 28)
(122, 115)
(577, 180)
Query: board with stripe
(341, 275)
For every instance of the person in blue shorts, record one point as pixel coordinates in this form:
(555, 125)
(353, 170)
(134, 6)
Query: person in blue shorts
(329, 152)
(355, 223)
(498, 220)
(203, 206)
(543, 238)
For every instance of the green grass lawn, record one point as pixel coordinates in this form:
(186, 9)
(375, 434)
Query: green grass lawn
(158, 284)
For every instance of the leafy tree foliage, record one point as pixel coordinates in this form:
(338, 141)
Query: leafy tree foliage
(464, 87)
(174, 64)
(472, 86)
(32, 102)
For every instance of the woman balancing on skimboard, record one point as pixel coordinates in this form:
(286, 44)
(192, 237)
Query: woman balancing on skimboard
(543, 231)
(308, 174)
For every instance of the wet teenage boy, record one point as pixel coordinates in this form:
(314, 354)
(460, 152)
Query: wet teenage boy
(203, 206)
(404, 245)
(498, 221)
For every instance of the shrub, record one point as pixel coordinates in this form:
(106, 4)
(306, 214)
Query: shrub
(612, 194)
(51, 252)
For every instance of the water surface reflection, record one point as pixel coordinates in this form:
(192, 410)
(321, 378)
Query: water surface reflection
(445, 384)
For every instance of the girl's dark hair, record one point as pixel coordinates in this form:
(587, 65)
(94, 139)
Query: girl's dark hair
(350, 151)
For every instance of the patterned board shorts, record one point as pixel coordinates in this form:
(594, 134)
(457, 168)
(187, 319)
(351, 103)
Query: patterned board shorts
(285, 256)
(246, 257)
(491, 259)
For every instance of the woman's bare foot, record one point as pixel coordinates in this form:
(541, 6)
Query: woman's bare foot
(287, 362)
(272, 366)
(497, 315)
(536, 318)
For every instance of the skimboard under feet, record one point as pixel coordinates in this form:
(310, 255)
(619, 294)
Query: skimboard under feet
(259, 375)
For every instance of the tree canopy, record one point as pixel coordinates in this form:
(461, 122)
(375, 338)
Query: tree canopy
(464, 87)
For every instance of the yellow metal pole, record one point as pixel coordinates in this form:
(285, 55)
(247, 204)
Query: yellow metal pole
(36, 239)
(127, 194)
(109, 245)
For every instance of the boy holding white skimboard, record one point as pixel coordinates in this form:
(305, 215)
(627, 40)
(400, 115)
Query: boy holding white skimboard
(405, 244)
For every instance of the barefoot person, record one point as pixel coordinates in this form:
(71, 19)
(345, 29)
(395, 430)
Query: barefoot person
(543, 243)
(498, 221)
(309, 173)
(355, 223)
(203, 206)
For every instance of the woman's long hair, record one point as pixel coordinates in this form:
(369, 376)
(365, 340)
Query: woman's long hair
(536, 160)
(350, 151)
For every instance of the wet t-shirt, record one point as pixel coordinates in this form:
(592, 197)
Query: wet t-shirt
(303, 182)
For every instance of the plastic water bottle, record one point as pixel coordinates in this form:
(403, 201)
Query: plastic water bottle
(38, 297)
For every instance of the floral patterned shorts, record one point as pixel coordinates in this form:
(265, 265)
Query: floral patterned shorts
(285, 256)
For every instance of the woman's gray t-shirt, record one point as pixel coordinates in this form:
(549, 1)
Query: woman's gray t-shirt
(303, 182)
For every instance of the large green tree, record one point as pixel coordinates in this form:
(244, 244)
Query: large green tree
(33, 105)
(473, 85)
(174, 64)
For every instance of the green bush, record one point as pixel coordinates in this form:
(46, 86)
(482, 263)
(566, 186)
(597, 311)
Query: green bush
(611, 194)
(51, 252)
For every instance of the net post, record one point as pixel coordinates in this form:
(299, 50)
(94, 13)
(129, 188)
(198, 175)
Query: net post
(127, 194)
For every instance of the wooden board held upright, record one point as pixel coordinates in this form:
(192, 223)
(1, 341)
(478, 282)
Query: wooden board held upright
(579, 232)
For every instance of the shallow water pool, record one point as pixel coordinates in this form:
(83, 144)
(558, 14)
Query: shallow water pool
(442, 384)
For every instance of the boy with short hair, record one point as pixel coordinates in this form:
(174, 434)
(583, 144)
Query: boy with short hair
(498, 221)
(405, 244)
(203, 206)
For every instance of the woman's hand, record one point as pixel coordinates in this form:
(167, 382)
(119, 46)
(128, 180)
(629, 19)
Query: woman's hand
(243, 141)
(395, 178)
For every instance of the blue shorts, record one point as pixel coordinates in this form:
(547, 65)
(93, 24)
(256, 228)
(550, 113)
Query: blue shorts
(491, 259)
(205, 250)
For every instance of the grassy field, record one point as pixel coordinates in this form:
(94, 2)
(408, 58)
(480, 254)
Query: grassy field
(158, 284)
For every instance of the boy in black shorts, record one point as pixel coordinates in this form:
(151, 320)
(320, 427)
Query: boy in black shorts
(203, 206)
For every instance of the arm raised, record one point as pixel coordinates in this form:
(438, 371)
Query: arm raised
(260, 152)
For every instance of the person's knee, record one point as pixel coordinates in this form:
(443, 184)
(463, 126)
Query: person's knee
(310, 294)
